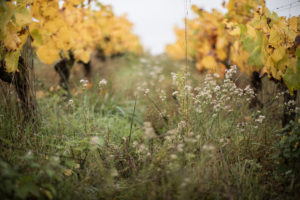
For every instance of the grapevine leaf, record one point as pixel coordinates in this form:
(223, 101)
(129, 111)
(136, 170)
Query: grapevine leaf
(23, 16)
(209, 62)
(12, 60)
(243, 29)
(6, 15)
(51, 26)
(3, 5)
(221, 53)
(251, 31)
(274, 17)
(37, 37)
(256, 57)
(248, 44)
(82, 55)
(12, 40)
(298, 53)
(236, 31)
(275, 40)
(278, 54)
(292, 79)
(293, 23)
(48, 53)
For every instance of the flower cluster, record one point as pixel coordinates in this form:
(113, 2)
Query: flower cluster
(84, 82)
(102, 83)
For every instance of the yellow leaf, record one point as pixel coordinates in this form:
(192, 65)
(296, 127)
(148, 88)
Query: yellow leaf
(275, 38)
(48, 53)
(12, 41)
(68, 172)
(236, 31)
(35, 10)
(23, 39)
(278, 54)
(51, 26)
(291, 35)
(51, 10)
(293, 21)
(269, 65)
(209, 62)
(221, 54)
(221, 42)
(12, 61)
(83, 55)
(23, 16)
(64, 39)
(74, 2)
(48, 194)
(251, 31)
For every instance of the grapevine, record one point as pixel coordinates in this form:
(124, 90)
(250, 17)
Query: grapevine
(60, 33)
(249, 36)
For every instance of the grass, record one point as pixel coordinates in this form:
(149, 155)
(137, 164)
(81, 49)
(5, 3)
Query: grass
(192, 137)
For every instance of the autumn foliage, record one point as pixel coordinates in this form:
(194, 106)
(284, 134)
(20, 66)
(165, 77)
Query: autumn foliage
(58, 27)
(249, 35)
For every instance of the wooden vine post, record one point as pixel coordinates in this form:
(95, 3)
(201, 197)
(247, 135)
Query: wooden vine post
(23, 81)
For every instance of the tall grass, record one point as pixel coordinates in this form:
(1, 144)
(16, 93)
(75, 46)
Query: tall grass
(192, 137)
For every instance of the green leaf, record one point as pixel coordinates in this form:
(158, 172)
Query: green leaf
(37, 37)
(298, 53)
(243, 29)
(3, 5)
(1, 52)
(12, 61)
(292, 79)
(254, 48)
(6, 15)
(256, 57)
(248, 44)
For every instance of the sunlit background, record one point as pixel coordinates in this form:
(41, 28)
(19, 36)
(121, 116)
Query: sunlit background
(154, 20)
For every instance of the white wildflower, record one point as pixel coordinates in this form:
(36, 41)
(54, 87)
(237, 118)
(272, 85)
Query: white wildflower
(180, 147)
(102, 83)
(217, 88)
(146, 92)
(114, 173)
(181, 124)
(260, 119)
(208, 147)
(135, 144)
(71, 102)
(188, 88)
(84, 82)
(148, 130)
(174, 93)
(94, 141)
(174, 77)
(216, 75)
(143, 60)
